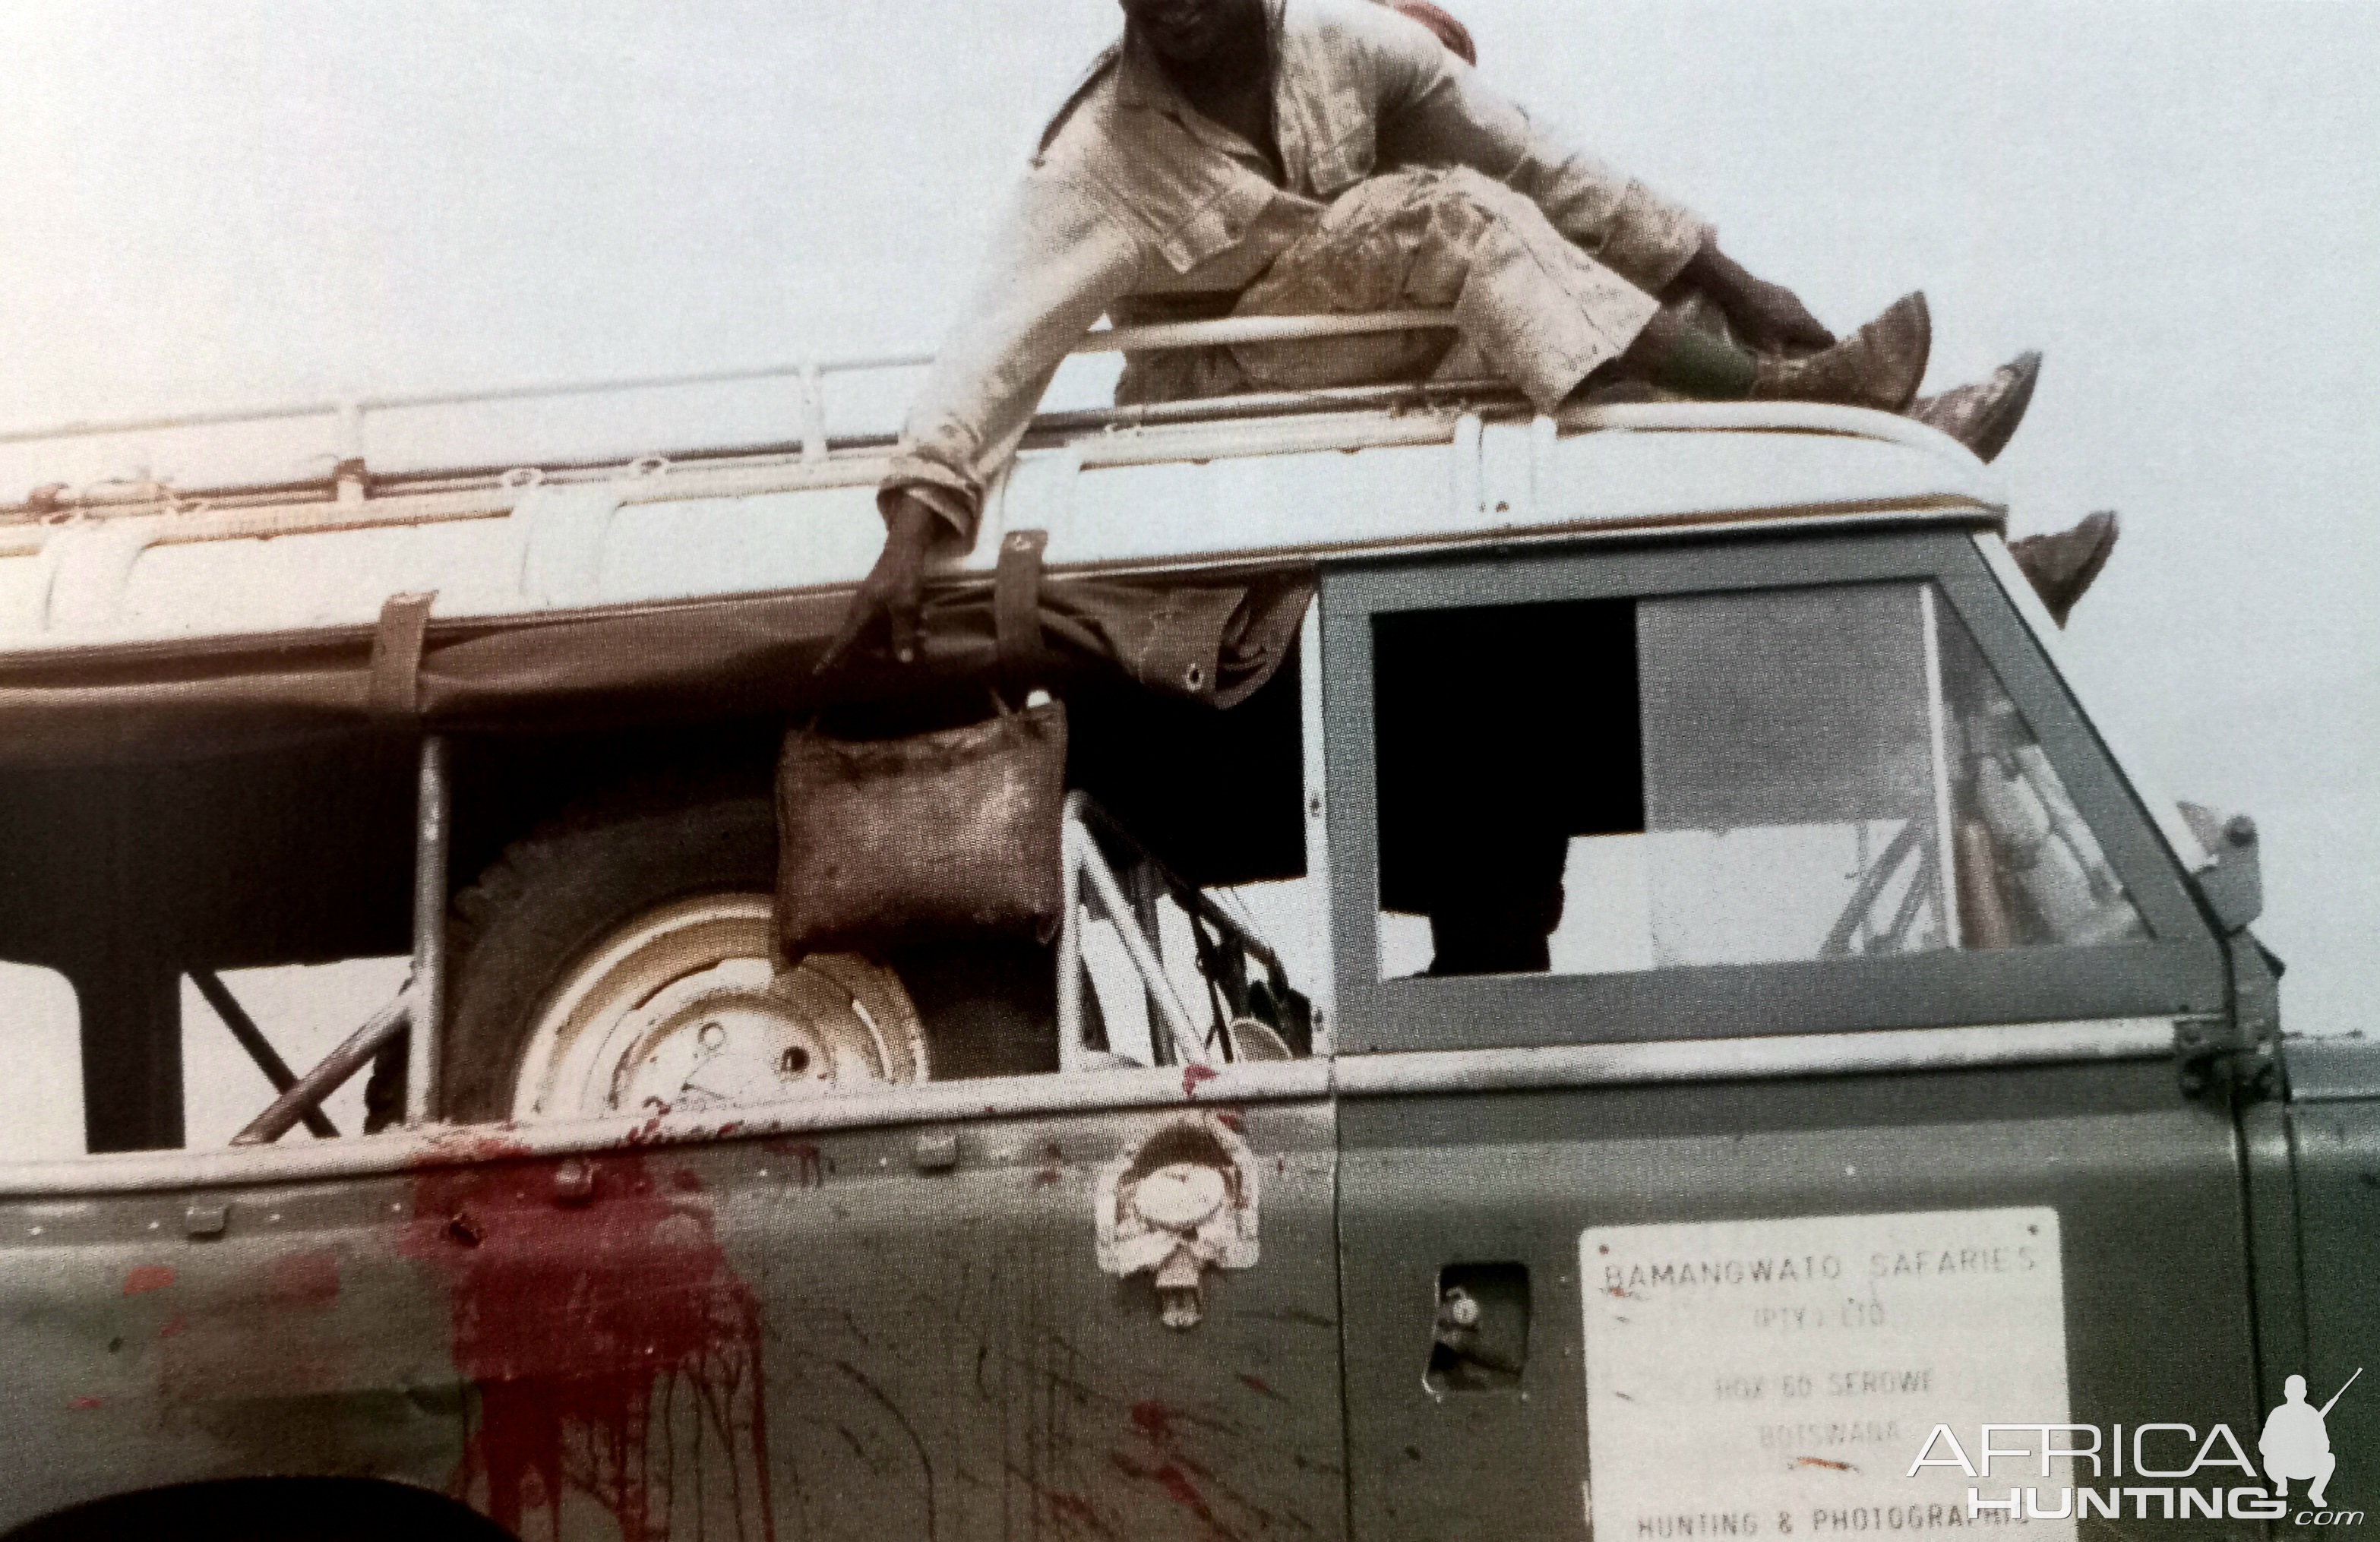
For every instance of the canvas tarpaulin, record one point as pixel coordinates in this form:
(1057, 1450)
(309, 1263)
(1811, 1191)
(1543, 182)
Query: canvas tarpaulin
(1213, 641)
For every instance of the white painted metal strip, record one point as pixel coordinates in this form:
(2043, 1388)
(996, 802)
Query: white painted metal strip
(1120, 1091)
(930, 1103)
(1554, 1066)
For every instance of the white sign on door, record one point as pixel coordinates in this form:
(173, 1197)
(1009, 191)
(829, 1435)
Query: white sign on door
(1777, 1379)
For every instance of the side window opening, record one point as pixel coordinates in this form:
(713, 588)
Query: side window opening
(301, 1012)
(40, 1101)
(1745, 777)
(128, 876)
(2030, 872)
(1209, 983)
(1196, 812)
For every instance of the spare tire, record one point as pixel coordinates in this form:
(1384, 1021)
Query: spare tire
(622, 960)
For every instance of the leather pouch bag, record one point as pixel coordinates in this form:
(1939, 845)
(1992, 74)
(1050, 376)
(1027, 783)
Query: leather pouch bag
(948, 834)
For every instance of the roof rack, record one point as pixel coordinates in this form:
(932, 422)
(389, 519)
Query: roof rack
(352, 482)
(349, 417)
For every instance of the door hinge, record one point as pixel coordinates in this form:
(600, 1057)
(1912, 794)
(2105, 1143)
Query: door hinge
(2214, 1053)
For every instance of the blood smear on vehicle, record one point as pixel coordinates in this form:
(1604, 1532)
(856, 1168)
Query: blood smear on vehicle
(146, 1278)
(576, 1324)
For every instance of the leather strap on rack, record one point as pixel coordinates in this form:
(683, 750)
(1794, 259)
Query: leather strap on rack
(1016, 608)
(396, 655)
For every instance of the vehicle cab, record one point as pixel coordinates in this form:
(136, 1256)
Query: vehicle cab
(1608, 985)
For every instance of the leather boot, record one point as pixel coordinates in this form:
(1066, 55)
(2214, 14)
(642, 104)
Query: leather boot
(1878, 366)
(1984, 416)
(2060, 566)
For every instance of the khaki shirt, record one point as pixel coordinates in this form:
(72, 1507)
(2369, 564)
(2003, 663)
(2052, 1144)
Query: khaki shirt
(1137, 202)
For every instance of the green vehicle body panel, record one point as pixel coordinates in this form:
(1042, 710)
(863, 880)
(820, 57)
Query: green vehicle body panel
(745, 1339)
(2333, 1183)
(904, 1331)
(2145, 1184)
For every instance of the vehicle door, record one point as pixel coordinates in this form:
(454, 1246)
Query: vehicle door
(1757, 992)
(941, 1345)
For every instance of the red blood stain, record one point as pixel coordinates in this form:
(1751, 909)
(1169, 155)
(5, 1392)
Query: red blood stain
(260, 1328)
(615, 1351)
(807, 1167)
(1179, 1489)
(1257, 1384)
(1192, 1076)
(146, 1278)
(686, 1180)
(1076, 1512)
(1073, 1507)
(1184, 1493)
(1232, 1122)
(1155, 1420)
(309, 1279)
(85, 1403)
(1830, 1465)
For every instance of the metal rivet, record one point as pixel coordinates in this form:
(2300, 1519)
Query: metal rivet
(937, 1153)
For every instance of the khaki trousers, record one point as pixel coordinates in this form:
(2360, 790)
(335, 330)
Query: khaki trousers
(1529, 307)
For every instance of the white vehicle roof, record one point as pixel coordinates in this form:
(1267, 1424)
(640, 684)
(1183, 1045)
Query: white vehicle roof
(1254, 482)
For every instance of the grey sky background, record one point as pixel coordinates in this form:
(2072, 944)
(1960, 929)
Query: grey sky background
(250, 200)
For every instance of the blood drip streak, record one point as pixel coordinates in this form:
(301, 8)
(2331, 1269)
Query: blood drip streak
(578, 1323)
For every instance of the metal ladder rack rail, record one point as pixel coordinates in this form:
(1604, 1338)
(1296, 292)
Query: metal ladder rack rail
(349, 416)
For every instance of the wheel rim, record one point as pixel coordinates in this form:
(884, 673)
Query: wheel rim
(687, 1007)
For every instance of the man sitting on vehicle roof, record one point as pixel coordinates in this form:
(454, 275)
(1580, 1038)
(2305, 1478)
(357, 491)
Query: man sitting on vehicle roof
(1286, 156)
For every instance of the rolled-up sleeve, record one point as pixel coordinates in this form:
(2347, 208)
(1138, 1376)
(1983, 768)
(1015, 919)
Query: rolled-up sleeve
(1434, 110)
(1066, 253)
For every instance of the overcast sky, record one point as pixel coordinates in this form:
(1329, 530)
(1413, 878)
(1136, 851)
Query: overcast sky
(247, 200)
